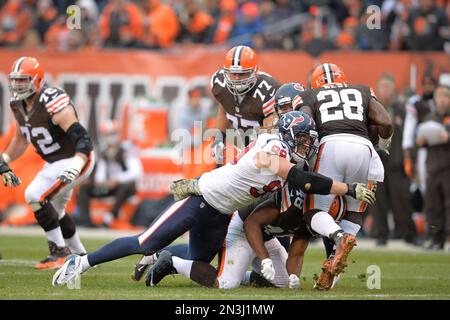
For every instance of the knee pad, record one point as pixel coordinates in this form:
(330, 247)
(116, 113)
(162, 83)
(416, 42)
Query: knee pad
(31, 196)
(308, 215)
(46, 215)
(68, 227)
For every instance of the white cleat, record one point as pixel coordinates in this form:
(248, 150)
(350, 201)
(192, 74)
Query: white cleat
(69, 272)
(335, 280)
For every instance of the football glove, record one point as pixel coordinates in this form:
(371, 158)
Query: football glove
(267, 269)
(384, 144)
(8, 176)
(360, 192)
(72, 172)
(294, 281)
(184, 188)
(68, 175)
(218, 151)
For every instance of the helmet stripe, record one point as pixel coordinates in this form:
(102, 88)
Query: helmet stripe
(18, 63)
(237, 56)
(327, 71)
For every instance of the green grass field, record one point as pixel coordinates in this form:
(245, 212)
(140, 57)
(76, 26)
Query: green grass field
(404, 275)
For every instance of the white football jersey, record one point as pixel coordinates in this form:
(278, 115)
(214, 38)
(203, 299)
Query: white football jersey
(240, 182)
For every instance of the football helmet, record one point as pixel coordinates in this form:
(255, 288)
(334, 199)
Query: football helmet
(327, 73)
(298, 130)
(26, 77)
(240, 69)
(287, 97)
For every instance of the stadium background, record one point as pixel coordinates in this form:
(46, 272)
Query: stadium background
(137, 83)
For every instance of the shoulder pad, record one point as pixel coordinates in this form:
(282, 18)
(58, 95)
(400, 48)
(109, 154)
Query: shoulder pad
(54, 99)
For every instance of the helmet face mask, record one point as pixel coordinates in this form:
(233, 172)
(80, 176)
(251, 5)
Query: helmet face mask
(21, 85)
(298, 130)
(287, 97)
(304, 148)
(240, 82)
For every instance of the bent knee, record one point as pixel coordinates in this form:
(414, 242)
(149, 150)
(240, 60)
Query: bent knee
(228, 284)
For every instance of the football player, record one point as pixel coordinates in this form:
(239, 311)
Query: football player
(285, 100)
(343, 113)
(46, 118)
(206, 212)
(245, 95)
(237, 254)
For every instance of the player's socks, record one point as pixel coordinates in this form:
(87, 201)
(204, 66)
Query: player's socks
(75, 245)
(323, 224)
(182, 266)
(69, 233)
(85, 263)
(246, 280)
(55, 235)
(149, 259)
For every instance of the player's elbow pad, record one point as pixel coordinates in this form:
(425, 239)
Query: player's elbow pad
(309, 182)
(78, 134)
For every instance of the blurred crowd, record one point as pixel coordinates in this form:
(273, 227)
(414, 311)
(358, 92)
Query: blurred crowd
(416, 189)
(313, 26)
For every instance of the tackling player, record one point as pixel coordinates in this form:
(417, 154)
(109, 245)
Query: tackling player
(292, 124)
(343, 114)
(263, 168)
(46, 118)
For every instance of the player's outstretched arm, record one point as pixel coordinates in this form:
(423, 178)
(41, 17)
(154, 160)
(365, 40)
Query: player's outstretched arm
(68, 121)
(15, 149)
(296, 256)
(253, 227)
(311, 182)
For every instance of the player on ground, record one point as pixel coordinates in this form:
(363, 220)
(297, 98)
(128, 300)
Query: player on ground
(263, 168)
(343, 114)
(47, 119)
(292, 124)
(245, 95)
(285, 100)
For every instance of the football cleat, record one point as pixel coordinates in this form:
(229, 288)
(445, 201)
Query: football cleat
(142, 266)
(56, 258)
(162, 267)
(69, 272)
(344, 245)
(325, 280)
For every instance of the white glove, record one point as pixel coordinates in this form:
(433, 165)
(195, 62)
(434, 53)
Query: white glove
(218, 151)
(294, 281)
(384, 144)
(72, 172)
(68, 175)
(267, 269)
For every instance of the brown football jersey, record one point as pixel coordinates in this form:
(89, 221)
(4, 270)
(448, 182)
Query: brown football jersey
(255, 106)
(339, 108)
(49, 140)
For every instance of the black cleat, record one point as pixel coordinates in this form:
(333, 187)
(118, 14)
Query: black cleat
(139, 271)
(162, 267)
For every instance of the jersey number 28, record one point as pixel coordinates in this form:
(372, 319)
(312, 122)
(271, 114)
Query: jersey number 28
(343, 102)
